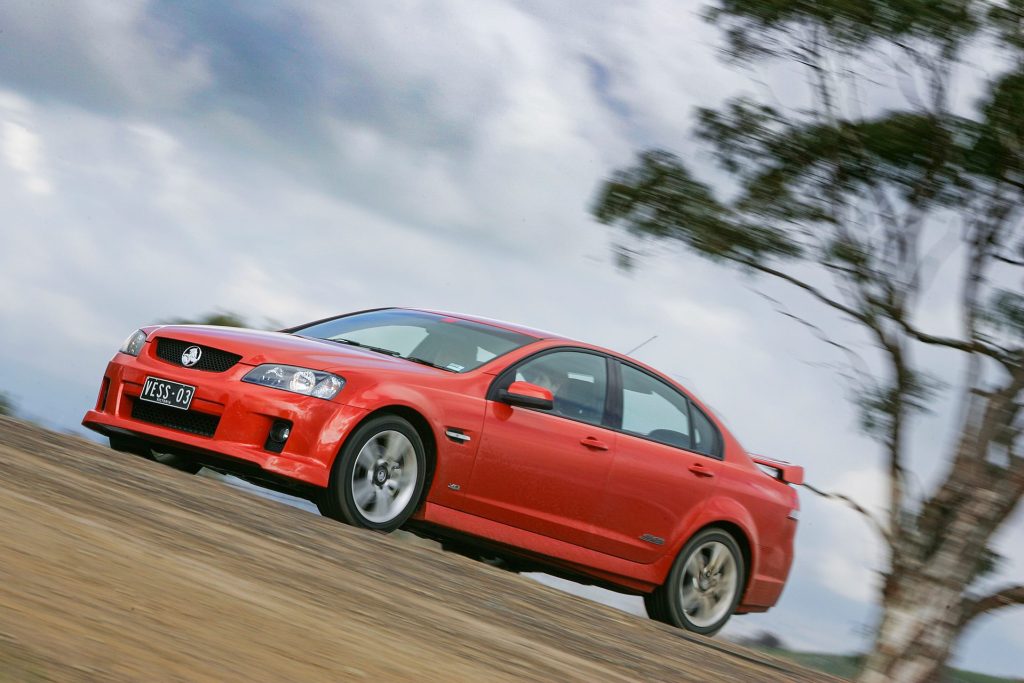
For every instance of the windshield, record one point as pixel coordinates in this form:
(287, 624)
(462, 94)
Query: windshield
(447, 343)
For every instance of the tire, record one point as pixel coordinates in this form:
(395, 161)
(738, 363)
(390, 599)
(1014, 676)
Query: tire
(323, 503)
(695, 601)
(128, 444)
(652, 604)
(378, 478)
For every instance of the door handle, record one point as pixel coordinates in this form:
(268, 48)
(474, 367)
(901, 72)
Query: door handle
(700, 470)
(596, 444)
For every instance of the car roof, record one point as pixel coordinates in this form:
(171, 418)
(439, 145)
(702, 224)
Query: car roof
(511, 327)
(541, 335)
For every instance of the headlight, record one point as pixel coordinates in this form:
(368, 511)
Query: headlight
(297, 380)
(133, 344)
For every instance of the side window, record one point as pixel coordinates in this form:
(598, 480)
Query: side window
(705, 436)
(577, 381)
(654, 410)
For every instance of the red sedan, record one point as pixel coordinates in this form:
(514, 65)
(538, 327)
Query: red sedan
(498, 440)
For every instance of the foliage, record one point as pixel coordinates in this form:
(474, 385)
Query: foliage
(846, 666)
(7, 407)
(218, 317)
(224, 318)
(765, 640)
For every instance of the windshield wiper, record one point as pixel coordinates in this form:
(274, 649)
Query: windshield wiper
(422, 361)
(378, 349)
(387, 352)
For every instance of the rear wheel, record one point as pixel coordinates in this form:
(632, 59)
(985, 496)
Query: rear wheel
(704, 586)
(378, 478)
(127, 444)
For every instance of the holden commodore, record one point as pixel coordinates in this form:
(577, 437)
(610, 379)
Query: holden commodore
(496, 439)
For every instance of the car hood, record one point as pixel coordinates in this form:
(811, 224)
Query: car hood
(257, 347)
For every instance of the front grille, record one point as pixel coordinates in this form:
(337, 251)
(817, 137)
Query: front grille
(189, 421)
(211, 360)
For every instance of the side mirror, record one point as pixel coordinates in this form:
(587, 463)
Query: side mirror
(527, 395)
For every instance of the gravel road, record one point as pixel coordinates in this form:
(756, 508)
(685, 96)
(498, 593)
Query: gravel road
(114, 568)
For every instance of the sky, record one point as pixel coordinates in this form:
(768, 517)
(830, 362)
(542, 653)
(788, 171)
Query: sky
(292, 159)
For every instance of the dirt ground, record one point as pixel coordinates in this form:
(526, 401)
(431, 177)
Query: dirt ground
(113, 568)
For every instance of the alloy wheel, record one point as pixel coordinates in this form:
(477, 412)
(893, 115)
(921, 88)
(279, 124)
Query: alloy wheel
(384, 476)
(709, 584)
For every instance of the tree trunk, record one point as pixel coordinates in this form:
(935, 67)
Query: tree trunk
(926, 603)
(921, 621)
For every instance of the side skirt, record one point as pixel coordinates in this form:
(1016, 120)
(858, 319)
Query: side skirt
(544, 553)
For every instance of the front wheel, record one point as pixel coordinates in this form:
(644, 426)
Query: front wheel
(379, 476)
(704, 586)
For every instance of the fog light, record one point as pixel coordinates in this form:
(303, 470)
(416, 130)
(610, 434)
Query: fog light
(278, 434)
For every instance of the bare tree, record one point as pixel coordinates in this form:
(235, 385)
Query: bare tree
(853, 209)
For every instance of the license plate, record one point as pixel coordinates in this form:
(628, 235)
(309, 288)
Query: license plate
(167, 393)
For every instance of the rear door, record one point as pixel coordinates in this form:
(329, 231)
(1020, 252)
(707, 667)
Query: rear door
(665, 466)
(545, 471)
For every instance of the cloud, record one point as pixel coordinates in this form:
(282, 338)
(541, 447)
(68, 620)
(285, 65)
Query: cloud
(21, 152)
(110, 56)
(852, 568)
(297, 159)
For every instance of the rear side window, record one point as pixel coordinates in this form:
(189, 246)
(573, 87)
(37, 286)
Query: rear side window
(705, 437)
(654, 410)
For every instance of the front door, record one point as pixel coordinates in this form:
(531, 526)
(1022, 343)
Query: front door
(544, 471)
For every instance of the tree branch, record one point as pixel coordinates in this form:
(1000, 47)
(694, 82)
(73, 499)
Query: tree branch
(1009, 260)
(898, 414)
(810, 289)
(854, 505)
(1012, 595)
(973, 346)
(893, 533)
(858, 365)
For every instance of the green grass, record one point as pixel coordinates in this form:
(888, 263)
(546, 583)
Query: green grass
(846, 666)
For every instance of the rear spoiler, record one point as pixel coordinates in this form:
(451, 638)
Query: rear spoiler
(787, 472)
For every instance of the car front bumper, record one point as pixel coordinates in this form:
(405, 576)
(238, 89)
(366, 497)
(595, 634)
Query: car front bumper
(234, 418)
